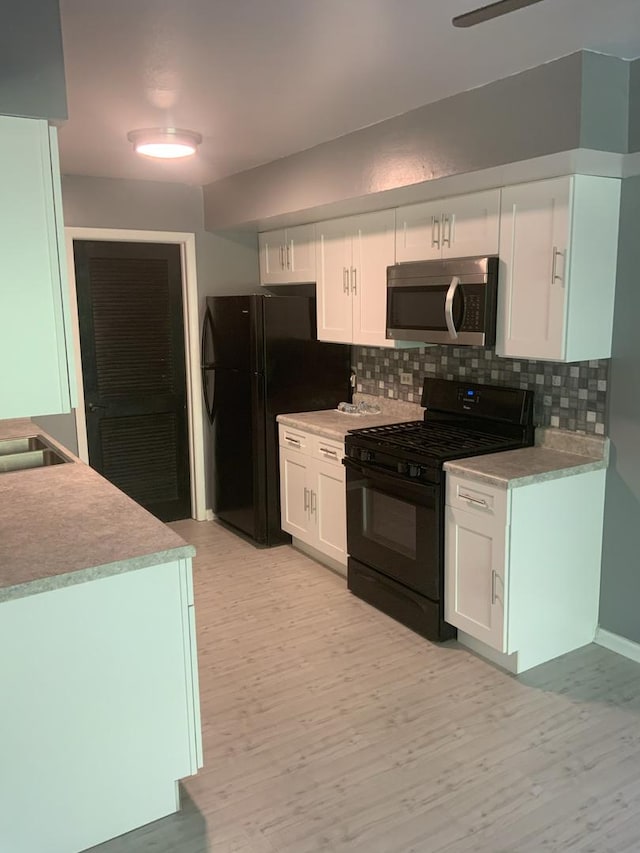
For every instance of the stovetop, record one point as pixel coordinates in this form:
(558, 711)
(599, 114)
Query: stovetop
(462, 420)
(432, 439)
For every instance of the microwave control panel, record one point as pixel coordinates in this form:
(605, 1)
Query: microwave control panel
(473, 318)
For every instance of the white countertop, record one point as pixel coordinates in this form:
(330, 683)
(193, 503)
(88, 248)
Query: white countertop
(558, 453)
(331, 423)
(65, 524)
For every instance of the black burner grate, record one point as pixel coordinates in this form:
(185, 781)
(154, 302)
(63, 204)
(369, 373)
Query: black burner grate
(433, 439)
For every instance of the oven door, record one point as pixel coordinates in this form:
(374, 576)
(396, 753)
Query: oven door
(393, 526)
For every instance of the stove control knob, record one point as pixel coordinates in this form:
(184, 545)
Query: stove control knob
(414, 470)
(366, 456)
(403, 468)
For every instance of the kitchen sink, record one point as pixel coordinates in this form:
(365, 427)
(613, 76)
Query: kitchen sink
(21, 445)
(19, 454)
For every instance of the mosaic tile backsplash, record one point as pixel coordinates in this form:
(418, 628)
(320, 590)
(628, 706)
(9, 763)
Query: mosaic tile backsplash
(568, 396)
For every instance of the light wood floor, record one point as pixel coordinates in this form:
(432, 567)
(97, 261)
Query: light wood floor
(329, 727)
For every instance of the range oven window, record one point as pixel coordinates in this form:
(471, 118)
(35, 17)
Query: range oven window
(393, 526)
(390, 522)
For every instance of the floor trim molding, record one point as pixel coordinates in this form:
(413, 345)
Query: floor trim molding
(616, 643)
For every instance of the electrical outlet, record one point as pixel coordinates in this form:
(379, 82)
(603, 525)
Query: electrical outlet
(406, 379)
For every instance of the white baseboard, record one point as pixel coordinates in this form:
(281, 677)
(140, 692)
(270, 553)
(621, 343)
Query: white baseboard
(616, 643)
(209, 516)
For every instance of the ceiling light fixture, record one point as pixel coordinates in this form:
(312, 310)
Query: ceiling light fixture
(166, 143)
(492, 10)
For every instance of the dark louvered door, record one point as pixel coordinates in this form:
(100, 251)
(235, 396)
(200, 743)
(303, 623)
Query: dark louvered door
(133, 367)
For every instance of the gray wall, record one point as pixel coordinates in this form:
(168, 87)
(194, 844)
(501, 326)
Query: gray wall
(554, 107)
(226, 262)
(634, 106)
(31, 62)
(620, 594)
(604, 107)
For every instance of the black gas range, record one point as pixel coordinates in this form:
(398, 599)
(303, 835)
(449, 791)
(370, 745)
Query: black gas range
(395, 494)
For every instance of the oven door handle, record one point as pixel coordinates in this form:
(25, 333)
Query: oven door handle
(395, 479)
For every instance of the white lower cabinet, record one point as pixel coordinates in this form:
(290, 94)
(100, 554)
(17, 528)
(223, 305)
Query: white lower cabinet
(475, 590)
(312, 492)
(522, 566)
(100, 715)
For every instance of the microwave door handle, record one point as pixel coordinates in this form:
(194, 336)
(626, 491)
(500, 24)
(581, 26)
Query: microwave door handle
(448, 307)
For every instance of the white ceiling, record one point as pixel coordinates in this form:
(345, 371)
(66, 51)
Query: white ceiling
(260, 79)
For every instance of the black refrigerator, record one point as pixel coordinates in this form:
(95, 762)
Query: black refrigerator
(261, 358)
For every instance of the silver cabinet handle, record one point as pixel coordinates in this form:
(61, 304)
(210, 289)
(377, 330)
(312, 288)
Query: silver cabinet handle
(328, 452)
(446, 231)
(306, 499)
(291, 440)
(281, 257)
(494, 596)
(478, 501)
(554, 273)
(354, 280)
(435, 240)
(313, 501)
(448, 306)
(288, 256)
(345, 280)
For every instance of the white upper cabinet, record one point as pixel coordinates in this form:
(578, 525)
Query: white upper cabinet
(558, 252)
(457, 227)
(334, 298)
(353, 255)
(288, 255)
(35, 344)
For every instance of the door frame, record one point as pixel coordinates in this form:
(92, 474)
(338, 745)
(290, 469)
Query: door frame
(187, 243)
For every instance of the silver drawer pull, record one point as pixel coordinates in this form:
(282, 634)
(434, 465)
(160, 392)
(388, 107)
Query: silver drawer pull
(478, 501)
(295, 441)
(329, 452)
(494, 595)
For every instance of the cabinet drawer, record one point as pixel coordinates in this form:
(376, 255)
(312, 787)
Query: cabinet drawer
(473, 496)
(293, 438)
(328, 450)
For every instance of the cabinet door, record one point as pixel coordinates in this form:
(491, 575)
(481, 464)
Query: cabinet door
(35, 350)
(373, 252)
(475, 577)
(470, 225)
(272, 248)
(300, 250)
(295, 494)
(330, 511)
(333, 256)
(532, 294)
(419, 231)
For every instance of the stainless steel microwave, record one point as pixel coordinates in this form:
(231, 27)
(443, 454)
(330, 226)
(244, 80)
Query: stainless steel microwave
(449, 301)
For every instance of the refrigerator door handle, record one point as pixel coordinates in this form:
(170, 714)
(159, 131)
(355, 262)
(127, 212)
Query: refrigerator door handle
(209, 403)
(207, 336)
